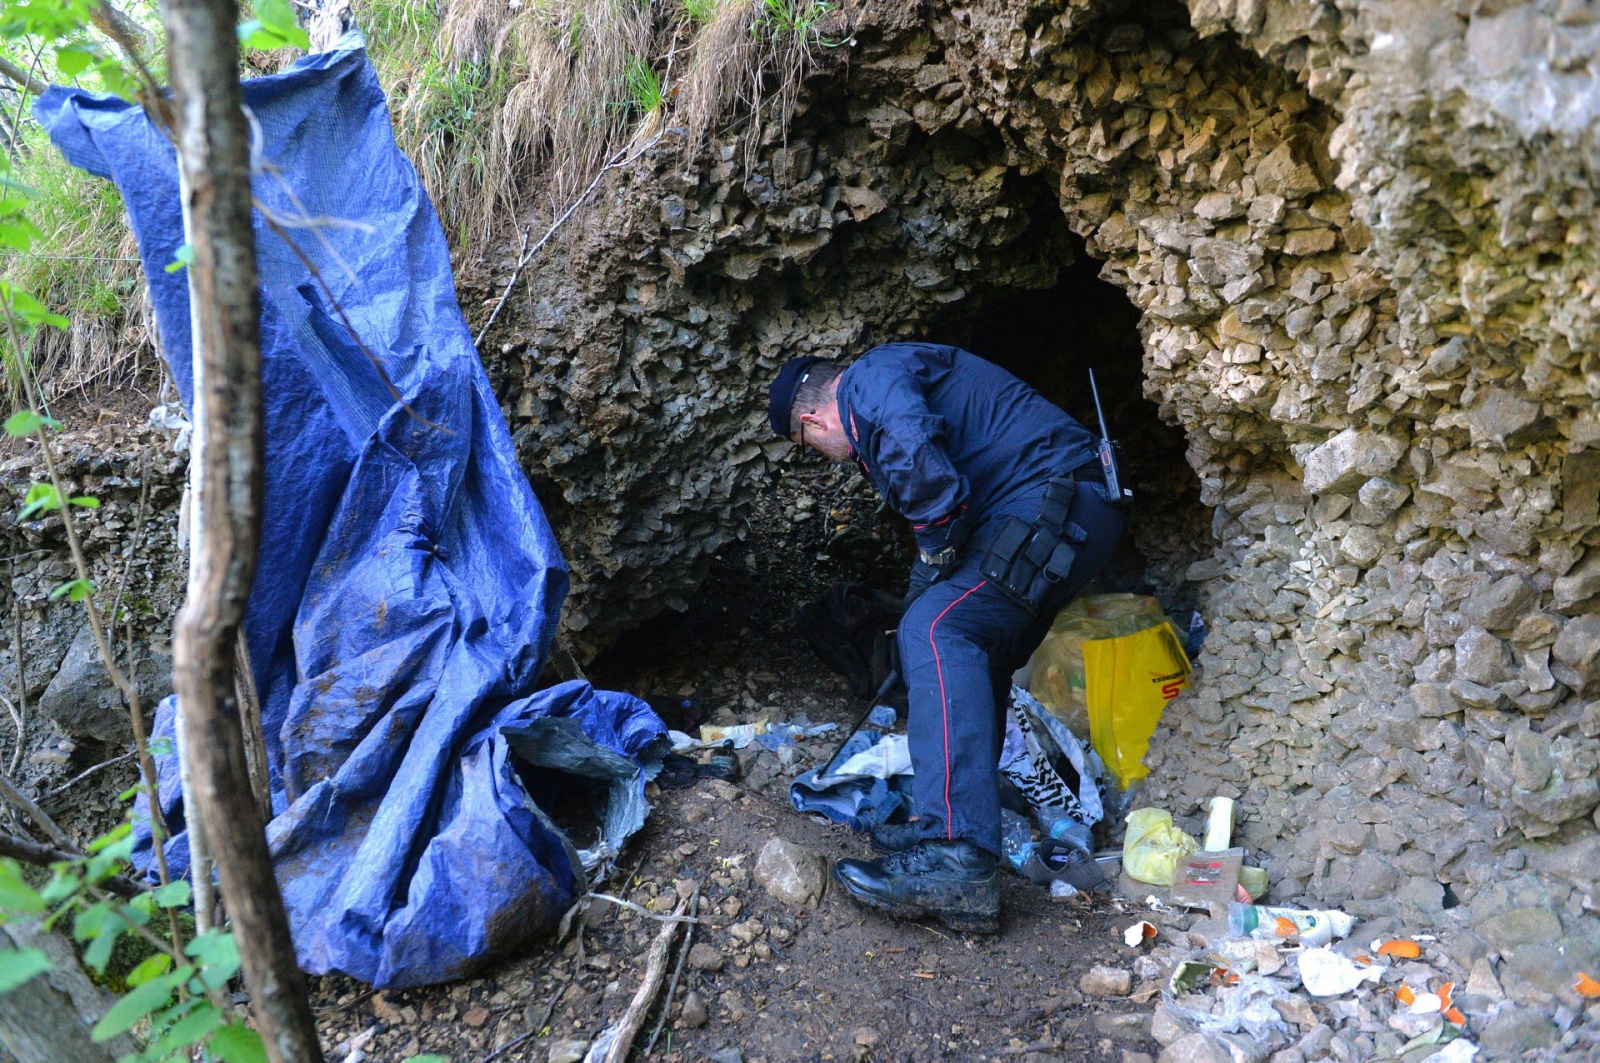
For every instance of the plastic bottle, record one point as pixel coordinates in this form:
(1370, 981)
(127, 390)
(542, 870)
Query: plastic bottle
(1058, 823)
(1313, 927)
(1016, 838)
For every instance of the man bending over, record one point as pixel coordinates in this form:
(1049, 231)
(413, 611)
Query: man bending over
(1008, 504)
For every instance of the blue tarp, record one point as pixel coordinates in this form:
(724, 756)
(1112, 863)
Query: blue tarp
(409, 584)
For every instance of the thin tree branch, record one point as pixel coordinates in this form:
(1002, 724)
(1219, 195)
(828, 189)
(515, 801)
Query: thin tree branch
(22, 77)
(31, 852)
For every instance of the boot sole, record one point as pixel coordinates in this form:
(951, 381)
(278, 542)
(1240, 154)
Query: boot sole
(961, 922)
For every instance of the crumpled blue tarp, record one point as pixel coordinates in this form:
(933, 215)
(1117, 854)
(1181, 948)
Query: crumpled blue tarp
(409, 584)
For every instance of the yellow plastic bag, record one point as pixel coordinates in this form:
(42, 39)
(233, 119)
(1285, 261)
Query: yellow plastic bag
(1153, 848)
(1138, 666)
(1129, 681)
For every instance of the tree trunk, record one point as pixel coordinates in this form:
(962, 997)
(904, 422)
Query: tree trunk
(213, 152)
(47, 1019)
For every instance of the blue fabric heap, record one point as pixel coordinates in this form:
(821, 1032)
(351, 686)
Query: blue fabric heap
(409, 584)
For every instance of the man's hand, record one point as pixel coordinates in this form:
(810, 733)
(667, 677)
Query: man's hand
(939, 543)
(922, 577)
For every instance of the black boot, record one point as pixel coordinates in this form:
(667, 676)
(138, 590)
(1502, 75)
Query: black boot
(895, 837)
(953, 880)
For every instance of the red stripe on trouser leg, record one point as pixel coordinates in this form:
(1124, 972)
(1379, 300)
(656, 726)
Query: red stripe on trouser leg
(944, 706)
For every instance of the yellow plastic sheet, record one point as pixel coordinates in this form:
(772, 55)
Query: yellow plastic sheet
(1108, 667)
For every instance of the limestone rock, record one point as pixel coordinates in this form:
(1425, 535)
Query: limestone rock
(83, 702)
(1576, 653)
(1503, 604)
(1106, 982)
(1482, 658)
(1521, 926)
(1349, 459)
(1196, 1048)
(695, 1014)
(1515, 1031)
(792, 873)
(1578, 585)
(1500, 415)
(566, 1051)
(705, 957)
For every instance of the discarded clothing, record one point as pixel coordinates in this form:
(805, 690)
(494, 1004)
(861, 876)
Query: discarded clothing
(1049, 767)
(408, 585)
(859, 801)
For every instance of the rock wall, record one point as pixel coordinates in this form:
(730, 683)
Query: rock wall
(1360, 238)
(130, 544)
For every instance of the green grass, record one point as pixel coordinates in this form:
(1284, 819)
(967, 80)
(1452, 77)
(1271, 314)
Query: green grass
(644, 86)
(700, 11)
(797, 18)
(444, 114)
(80, 267)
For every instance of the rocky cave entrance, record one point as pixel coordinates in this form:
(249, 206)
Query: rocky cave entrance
(1051, 338)
(819, 524)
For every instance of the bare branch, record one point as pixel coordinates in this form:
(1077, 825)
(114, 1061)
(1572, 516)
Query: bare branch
(128, 34)
(213, 144)
(22, 77)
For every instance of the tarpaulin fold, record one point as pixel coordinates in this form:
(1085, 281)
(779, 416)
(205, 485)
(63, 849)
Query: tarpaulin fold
(409, 584)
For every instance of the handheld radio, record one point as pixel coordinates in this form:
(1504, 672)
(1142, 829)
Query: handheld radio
(1116, 494)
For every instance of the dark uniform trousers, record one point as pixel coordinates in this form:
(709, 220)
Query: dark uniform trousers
(960, 641)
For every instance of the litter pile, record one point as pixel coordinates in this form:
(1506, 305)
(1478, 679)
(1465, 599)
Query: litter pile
(1247, 982)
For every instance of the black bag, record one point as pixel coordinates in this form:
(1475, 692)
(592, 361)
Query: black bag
(1024, 559)
(852, 629)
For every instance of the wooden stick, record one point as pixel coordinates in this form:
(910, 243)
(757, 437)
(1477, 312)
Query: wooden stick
(32, 852)
(654, 974)
(25, 804)
(255, 738)
(677, 971)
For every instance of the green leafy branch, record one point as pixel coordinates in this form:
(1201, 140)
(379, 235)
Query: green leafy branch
(178, 991)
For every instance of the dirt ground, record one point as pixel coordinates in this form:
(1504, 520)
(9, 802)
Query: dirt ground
(834, 982)
(768, 982)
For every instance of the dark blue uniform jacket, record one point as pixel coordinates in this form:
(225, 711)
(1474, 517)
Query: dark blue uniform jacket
(952, 441)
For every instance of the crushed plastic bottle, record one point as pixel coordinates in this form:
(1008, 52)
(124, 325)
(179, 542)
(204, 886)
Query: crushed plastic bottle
(1016, 839)
(1312, 928)
(1059, 824)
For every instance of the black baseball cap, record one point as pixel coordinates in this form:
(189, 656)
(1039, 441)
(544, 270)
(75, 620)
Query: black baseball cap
(780, 396)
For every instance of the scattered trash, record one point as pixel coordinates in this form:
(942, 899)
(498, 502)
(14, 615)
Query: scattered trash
(1244, 1003)
(1309, 928)
(1062, 890)
(1456, 1050)
(1208, 879)
(1153, 847)
(1219, 825)
(883, 760)
(723, 764)
(859, 801)
(1108, 667)
(1253, 880)
(1190, 975)
(1328, 974)
(1405, 950)
(740, 734)
(1039, 756)
(1139, 933)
